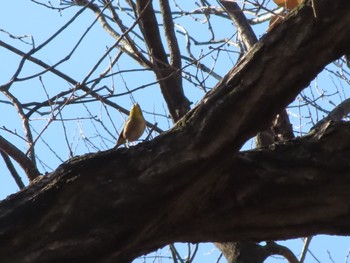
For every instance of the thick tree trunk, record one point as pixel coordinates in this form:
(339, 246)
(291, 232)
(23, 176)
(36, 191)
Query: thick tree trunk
(191, 183)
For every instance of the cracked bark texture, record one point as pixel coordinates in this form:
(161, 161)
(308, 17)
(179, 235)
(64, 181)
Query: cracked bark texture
(280, 130)
(191, 183)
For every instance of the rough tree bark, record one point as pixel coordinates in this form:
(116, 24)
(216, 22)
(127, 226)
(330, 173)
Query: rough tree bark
(280, 130)
(191, 183)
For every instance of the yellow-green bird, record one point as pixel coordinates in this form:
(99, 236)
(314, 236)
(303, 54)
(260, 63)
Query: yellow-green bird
(133, 127)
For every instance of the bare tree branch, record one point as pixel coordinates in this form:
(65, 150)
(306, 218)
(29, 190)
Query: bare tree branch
(336, 114)
(244, 29)
(26, 163)
(175, 55)
(77, 87)
(191, 183)
(26, 127)
(12, 169)
(167, 75)
(275, 249)
(307, 242)
(125, 45)
(36, 49)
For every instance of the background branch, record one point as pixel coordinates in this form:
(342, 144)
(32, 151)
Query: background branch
(26, 163)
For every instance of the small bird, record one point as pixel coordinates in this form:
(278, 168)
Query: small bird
(133, 127)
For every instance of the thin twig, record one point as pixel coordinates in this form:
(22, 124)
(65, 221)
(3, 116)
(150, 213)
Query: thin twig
(25, 123)
(75, 83)
(307, 242)
(12, 170)
(34, 50)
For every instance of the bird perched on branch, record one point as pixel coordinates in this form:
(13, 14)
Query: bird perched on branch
(133, 127)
